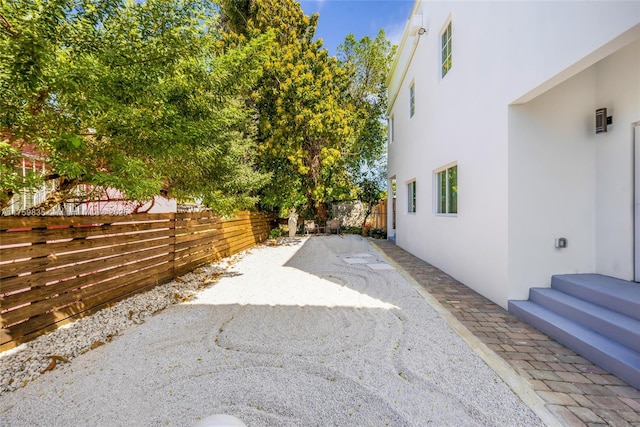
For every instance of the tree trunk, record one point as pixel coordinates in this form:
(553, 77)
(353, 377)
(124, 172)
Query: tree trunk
(367, 213)
(313, 161)
(61, 195)
(322, 211)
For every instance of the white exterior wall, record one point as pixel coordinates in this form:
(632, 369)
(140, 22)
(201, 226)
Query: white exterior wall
(618, 89)
(507, 53)
(566, 181)
(552, 185)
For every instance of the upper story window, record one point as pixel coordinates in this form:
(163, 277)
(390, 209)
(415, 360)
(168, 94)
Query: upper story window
(412, 99)
(411, 197)
(391, 130)
(447, 190)
(446, 49)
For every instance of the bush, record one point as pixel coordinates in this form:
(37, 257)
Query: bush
(378, 233)
(275, 233)
(351, 230)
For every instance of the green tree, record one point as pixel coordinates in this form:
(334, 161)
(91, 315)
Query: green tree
(132, 95)
(305, 117)
(368, 63)
(318, 116)
(370, 192)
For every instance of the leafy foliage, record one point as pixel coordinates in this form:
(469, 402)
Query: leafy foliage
(232, 110)
(370, 192)
(11, 175)
(132, 95)
(276, 233)
(318, 116)
(302, 121)
(367, 62)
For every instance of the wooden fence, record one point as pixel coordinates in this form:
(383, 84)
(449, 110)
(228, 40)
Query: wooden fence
(56, 269)
(378, 217)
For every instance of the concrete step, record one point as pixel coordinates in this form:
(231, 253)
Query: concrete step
(616, 358)
(614, 294)
(613, 325)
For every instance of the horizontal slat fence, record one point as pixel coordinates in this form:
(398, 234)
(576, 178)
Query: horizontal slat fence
(378, 217)
(201, 239)
(56, 269)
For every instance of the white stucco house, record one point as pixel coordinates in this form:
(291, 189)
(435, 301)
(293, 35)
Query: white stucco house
(494, 151)
(503, 96)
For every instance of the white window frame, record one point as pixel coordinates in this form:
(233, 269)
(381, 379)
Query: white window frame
(412, 99)
(412, 196)
(450, 207)
(446, 49)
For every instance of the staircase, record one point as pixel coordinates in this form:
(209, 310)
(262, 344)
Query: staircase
(596, 316)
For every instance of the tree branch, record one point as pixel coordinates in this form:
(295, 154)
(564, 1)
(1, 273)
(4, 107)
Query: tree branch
(143, 61)
(6, 27)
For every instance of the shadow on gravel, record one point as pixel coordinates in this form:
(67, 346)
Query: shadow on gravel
(324, 257)
(306, 340)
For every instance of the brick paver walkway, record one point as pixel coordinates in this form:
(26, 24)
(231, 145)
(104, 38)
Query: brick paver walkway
(576, 391)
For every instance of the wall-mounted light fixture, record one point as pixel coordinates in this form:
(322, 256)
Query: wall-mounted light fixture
(562, 243)
(602, 120)
(417, 26)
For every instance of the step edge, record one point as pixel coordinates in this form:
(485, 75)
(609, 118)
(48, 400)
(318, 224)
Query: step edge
(596, 296)
(593, 310)
(628, 352)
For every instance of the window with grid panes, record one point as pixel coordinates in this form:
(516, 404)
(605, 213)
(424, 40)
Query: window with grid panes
(447, 190)
(446, 50)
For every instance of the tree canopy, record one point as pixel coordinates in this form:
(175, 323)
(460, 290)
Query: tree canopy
(367, 62)
(131, 95)
(319, 116)
(232, 104)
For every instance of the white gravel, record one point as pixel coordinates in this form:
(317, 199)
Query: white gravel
(318, 332)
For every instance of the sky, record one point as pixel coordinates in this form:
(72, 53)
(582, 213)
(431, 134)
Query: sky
(360, 17)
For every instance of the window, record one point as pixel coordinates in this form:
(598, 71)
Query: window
(446, 50)
(411, 197)
(390, 124)
(412, 99)
(447, 190)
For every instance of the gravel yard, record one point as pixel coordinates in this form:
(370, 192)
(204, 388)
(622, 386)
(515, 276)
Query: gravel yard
(318, 331)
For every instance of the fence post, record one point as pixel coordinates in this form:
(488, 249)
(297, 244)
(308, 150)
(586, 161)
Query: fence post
(172, 227)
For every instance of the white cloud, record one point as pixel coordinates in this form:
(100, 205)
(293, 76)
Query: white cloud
(394, 32)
